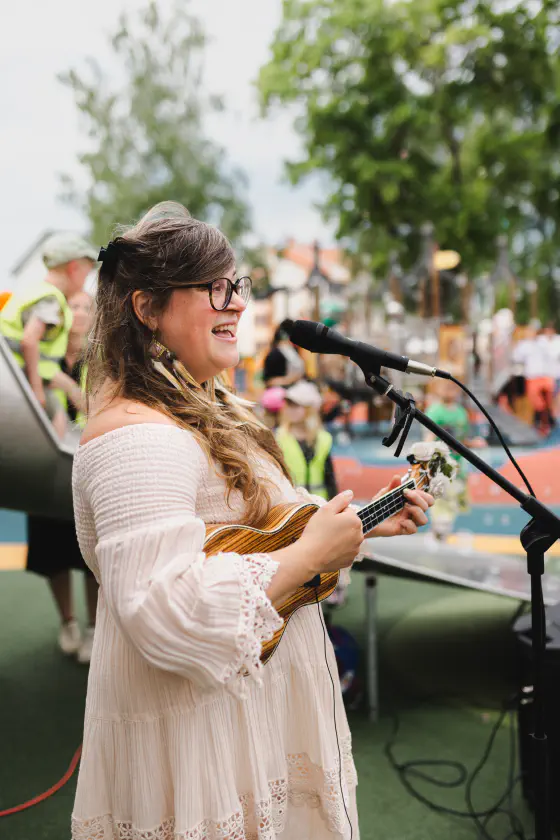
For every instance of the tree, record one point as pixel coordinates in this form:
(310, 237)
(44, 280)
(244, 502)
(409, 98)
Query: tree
(429, 110)
(147, 142)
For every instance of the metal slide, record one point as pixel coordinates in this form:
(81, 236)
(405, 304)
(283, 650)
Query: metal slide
(35, 467)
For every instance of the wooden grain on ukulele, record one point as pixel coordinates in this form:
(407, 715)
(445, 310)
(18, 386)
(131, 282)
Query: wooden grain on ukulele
(283, 525)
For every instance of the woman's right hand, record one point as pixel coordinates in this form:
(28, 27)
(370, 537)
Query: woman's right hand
(333, 536)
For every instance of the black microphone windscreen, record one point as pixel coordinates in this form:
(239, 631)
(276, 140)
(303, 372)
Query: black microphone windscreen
(305, 334)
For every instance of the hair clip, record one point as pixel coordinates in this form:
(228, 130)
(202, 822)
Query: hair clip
(109, 256)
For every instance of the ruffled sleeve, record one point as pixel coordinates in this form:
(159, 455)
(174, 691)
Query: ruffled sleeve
(203, 618)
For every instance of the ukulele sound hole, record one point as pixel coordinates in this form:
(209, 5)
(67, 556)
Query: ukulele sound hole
(311, 584)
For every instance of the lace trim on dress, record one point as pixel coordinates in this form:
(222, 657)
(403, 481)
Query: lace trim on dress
(258, 622)
(306, 785)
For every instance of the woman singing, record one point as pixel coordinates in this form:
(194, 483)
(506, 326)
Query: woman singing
(187, 736)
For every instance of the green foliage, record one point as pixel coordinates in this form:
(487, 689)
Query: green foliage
(143, 117)
(439, 110)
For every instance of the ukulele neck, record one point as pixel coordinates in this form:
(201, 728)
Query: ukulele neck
(384, 507)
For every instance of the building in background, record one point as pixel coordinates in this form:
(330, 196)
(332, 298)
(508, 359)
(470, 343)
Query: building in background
(290, 269)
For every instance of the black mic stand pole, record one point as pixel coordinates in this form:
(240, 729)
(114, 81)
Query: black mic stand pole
(537, 536)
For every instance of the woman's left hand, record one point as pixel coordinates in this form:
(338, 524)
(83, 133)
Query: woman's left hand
(407, 520)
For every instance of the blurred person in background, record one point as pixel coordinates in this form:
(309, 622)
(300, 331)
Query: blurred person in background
(305, 444)
(283, 365)
(554, 347)
(515, 387)
(53, 549)
(69, 381)
(306, 447)
(36, 323)
(271, 403)
(447, 411)
(536, 354)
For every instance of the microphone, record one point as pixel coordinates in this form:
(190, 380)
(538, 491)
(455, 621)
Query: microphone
(319, 338)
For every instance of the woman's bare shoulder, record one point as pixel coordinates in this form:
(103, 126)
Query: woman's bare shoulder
(118, 414)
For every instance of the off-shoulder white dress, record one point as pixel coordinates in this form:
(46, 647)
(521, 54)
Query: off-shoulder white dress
(178, 744)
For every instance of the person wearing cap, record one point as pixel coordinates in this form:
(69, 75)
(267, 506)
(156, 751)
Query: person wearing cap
(305, 444)
(306, 447)
(36, 323)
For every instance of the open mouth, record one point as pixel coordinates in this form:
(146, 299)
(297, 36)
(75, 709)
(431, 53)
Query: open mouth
(225, 331)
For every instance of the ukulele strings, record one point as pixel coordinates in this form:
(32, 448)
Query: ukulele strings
(387, 505)
(384, 507)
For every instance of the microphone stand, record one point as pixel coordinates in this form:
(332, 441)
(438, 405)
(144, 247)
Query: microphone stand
(537, 536)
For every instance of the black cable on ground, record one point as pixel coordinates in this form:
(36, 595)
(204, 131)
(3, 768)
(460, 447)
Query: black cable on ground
(408, 769)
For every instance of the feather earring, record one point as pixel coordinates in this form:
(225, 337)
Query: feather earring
(162, 357)
(178, 376)
(160, 367)
(159, 351)
(184, 374)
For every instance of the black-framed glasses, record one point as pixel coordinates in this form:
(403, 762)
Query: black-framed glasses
(221, 290)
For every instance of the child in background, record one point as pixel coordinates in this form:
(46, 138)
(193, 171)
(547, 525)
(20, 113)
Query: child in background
(448, 413)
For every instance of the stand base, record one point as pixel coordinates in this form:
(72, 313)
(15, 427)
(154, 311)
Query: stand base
(530, 750)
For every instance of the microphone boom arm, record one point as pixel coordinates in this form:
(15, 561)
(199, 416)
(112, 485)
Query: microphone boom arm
(537, 536)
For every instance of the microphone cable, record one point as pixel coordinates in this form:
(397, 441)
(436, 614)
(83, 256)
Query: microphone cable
(497, 431)
(322, 620)
(481, 818)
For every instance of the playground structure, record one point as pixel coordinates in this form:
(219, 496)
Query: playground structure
(35, 467)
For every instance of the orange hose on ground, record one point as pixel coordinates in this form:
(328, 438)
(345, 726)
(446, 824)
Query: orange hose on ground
(42, 796)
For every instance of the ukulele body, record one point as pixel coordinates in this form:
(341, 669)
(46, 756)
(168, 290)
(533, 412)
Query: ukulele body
(283, 525)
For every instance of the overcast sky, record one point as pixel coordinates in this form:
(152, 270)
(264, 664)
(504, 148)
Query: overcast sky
(40, 135)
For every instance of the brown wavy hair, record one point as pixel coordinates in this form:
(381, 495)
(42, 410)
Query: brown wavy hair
(169, 249)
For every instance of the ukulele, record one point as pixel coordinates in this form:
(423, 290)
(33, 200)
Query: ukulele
(431, 469)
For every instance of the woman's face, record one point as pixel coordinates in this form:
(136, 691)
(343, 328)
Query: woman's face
(189, 327)
(81, 305)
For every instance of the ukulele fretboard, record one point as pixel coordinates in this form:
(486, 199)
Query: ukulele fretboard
(384, 507)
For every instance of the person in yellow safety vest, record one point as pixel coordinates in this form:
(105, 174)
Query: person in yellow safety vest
(306, 446)
(36, 323)
(52, 545)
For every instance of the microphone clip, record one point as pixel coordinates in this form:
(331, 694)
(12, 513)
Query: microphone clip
(404, 414)
(403, 422)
